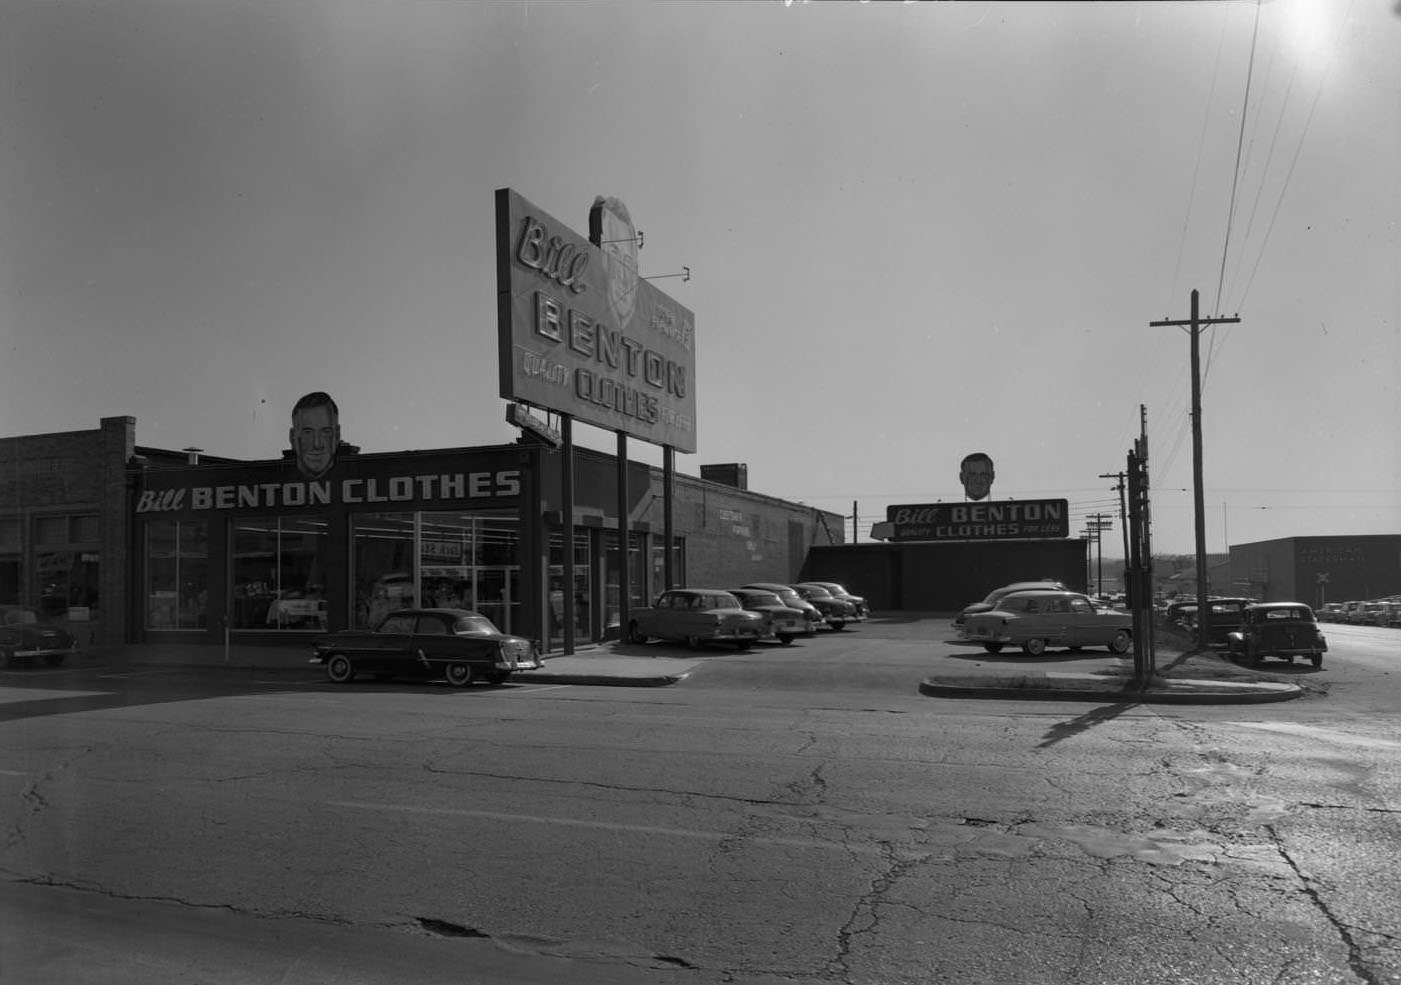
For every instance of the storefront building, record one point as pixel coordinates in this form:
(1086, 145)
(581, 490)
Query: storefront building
(137, 544)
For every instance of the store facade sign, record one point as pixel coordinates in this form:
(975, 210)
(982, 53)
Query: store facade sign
(431, 482)
(1039, 519)
(579, 332)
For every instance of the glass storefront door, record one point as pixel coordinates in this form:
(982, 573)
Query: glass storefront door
(583, 570)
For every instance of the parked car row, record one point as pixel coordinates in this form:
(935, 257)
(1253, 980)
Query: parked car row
(745, 615)
(1225, 615)
(1375, 612)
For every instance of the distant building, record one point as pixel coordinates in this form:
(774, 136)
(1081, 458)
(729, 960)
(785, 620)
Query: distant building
(1319, 569)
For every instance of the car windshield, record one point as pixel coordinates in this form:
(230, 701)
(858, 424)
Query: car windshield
(759, 598)
(475, 626)
(811, 592)
(1290, 614)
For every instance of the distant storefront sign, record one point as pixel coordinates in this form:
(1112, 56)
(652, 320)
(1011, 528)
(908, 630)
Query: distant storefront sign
(580, 333)
(1007, 520)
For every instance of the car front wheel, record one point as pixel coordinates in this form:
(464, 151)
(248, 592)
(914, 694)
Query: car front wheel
(1034, 647)
(838, 624)
(786, 639)
(1121, 642)
(339, 669)
(635, 635)
(459, 675)
(993, 647)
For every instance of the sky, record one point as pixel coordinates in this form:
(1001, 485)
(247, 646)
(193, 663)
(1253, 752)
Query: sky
(913, 230)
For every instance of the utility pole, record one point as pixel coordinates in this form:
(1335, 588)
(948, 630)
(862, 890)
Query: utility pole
(1195, 324)
(1123, 511)
(1098, 523)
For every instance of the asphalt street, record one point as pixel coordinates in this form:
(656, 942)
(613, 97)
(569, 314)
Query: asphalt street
(791, 814)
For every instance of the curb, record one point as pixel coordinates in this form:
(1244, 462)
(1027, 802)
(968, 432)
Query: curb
(597, 680)
(1248, 694)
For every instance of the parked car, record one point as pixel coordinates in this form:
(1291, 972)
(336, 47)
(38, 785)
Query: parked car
(1331, 612)
(1350, 611)
(784, 623)
(458, 645)
(1224, 617)
(791, 598)
(1278, 629)
(697, 616)
(1392, 616)
(1371, 614)
(26, 636)
(837, 612)
(1036, 619)
(863, 610)
(997, 594)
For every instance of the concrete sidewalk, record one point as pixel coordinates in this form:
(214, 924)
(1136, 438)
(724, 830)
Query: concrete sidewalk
(597, 665)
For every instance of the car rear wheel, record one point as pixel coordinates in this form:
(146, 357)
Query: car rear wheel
(1034, 647)
(838, 624)
(1121, 642)
(339, 669)
(742, 644)
(993, 647)
(694, 642)
(1316, 659)
(54, 660)
(459, 674)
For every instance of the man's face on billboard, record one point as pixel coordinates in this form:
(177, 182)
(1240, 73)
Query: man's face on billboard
(315, 434)
(977, 478)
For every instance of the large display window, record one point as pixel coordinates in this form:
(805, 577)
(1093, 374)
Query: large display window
(67, 561)
(278, 573)
(9, 559)
(452, 560)
(177, 574)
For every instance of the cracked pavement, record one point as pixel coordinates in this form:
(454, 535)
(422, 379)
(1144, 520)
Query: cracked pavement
(726, 833)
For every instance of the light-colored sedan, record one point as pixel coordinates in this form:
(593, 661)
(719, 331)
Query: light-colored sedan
(1035, 620)
(696, 616)
(784, 623)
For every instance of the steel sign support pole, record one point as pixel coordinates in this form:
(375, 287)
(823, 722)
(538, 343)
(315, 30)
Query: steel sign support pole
(623, 587)
(668, 526)
(566, 475)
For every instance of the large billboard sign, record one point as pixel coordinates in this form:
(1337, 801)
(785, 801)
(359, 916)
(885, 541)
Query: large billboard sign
(1011, 519)
(580, 333)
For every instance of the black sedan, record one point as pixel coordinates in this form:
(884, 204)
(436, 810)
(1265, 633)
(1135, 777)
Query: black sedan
(26, 636)
(455, 645)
